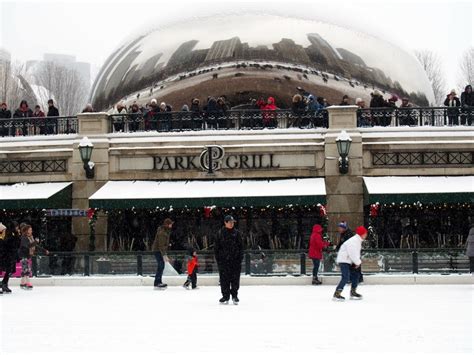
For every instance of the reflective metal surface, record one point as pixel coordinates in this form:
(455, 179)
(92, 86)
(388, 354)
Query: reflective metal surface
(185, 54)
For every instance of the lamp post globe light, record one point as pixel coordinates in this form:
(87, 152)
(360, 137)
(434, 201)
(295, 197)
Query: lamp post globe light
(85, 149)
(343, 143)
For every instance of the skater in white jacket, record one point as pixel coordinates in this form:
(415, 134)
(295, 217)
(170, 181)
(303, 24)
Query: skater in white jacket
(349, 261)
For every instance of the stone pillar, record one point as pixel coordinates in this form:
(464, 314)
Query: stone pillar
(94, 123)
(344, 192)
(90, 125)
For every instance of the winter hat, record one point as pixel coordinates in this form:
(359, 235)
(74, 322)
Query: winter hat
(453, 92)
(358, 100)
(2, 227)
(229, 218)
(376, 93)
(342, 224)
(361, 230)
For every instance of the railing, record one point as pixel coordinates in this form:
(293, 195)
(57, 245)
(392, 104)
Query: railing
(415, 116)
(32, 126)
(266, 262)
(233, 119)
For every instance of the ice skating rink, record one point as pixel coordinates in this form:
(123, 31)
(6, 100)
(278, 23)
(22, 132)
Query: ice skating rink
(269, 320)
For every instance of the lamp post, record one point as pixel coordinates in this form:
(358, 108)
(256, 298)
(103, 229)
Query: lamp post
(85, 149)
(343, 143)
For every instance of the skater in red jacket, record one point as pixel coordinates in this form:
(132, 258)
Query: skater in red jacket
(192, 270)
(316, 246)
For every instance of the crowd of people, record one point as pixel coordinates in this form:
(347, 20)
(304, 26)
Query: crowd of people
(307, 110)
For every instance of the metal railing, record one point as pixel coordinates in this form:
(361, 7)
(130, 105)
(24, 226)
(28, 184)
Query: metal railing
(257, 263)
(233, 119)
(31, 126)
(415, 116)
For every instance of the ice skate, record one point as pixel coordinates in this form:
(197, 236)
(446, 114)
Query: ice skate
(160, 287)
(338, 297)
(5, 289)
(235, 300)
(224, 300)
(29, 286)
(355, 295)
(316, 281)
(186, 285)
(23, 286)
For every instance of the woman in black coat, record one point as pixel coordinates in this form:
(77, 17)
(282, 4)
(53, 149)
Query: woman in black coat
(9, 254)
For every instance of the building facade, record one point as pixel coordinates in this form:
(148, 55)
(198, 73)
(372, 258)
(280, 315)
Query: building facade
(278, 183)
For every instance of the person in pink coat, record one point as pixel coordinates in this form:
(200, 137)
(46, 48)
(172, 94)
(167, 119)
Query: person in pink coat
(316, 246)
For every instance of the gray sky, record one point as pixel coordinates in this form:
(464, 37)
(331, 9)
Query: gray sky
(91, 30)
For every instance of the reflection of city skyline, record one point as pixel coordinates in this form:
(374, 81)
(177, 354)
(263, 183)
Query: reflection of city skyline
(319, 54)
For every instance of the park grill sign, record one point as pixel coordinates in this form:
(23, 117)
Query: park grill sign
(213, 158)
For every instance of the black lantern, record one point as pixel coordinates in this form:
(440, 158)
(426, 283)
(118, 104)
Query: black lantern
(343, 142)
(85, 149)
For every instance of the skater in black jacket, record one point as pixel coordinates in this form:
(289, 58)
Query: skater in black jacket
(345, 233)
(229, 252)
(9, 253)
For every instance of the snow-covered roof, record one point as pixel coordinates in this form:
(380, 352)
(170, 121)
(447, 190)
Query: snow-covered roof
(208, 193)
(412, 189)
(25, 191)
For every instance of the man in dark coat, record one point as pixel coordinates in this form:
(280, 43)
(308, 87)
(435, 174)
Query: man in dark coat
(344, 234)
(467, 101)
(4, 113)
(160, 248)
(9, 253)
(229, 252)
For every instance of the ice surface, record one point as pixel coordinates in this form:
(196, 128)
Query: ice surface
(271, 320)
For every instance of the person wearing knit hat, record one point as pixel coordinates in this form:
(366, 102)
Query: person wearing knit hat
(345, 233)
(349, 261)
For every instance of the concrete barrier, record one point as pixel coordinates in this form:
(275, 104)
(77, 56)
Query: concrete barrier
(212, 280)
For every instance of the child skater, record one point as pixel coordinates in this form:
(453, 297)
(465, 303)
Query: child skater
(28, 246)
(192, 270)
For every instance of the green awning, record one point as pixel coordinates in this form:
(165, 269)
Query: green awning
(424, 189)
(36, 196)
(220, 193)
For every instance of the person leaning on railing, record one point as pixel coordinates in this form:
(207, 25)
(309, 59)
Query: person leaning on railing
(22, 112)
(119, 113)
(39, 124)
(452, 102)
(135, 117)
(467, 103)
(377, 101)
(4, 113)
(52, 112)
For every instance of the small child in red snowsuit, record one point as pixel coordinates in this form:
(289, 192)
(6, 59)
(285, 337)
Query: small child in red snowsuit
(192, 270)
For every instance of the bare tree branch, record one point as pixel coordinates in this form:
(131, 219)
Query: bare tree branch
(431, 63)
(65, 86)
(466, 68)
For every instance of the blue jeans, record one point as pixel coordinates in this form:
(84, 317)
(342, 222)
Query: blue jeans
(316, 263)
(348, 273)
(160, 268)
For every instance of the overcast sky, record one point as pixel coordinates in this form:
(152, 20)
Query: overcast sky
(91, 30)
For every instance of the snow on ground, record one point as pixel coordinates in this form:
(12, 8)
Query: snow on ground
(272, 319)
